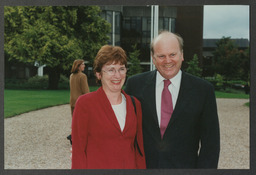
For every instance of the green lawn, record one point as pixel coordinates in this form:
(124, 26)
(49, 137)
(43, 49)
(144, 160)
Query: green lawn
(231, 95)
(21, 101)
(247, 104)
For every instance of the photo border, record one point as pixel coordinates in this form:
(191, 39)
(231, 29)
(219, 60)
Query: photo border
(251, 3)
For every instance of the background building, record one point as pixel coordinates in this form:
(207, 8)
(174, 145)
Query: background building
(209, 45)
(132, 25)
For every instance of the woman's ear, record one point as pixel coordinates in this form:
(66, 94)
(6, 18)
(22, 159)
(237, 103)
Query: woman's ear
(98, 75)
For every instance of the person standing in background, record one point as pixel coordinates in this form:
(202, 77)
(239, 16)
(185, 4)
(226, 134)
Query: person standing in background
(78, 85)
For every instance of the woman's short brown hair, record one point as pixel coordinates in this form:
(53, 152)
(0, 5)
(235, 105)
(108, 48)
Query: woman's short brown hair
(107, 55)
(76, 64)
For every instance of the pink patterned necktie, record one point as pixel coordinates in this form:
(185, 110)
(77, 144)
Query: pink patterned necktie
(166, 107)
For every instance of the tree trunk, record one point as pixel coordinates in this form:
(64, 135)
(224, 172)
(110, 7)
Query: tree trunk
(54, 77)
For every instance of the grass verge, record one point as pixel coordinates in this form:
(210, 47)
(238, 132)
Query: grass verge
(20, 101)
(231, 95)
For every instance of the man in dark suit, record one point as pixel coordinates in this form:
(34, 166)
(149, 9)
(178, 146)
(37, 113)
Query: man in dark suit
(190, 139)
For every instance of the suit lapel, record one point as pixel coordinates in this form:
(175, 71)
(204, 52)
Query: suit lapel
(129, 113)
(184, 95)
(149, 95)
(109, 112)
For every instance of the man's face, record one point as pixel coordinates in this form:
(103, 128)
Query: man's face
(167, 56)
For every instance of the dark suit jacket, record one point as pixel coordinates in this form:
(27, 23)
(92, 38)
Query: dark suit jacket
(191, 139)
(97, 140)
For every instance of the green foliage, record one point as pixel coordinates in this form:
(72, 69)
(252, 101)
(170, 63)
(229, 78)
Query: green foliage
(247, 104)
(53, 35)
(219, 81)
(193, 66)
(40, 37)
(134, 67)
(15, 83)
(231, 62)
(91, 30)
(64, 82)
(36, 82)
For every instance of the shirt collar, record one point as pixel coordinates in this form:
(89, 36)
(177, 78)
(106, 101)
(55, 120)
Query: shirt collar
(175, 80)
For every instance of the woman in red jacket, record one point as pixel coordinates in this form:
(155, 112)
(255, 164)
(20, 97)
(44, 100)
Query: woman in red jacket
(106, 129)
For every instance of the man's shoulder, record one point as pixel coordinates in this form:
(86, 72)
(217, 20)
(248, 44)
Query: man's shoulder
(143, 75)
(195, 79)
(135, 83)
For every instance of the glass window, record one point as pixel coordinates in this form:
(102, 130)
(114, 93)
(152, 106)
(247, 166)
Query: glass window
(110, 38)
(173, 25)
(117, 22)
(144, 24)
(133, 23)
(160, 24)
(117, 39)
(109, 17)
(149, 24)
(166, 24)
(127, 23)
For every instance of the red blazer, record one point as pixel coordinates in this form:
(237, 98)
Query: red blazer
(97, 140)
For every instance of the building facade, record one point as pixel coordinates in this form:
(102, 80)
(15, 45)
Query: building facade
(132, 25)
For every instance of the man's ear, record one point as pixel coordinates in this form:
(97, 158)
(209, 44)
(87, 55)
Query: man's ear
(153, 58)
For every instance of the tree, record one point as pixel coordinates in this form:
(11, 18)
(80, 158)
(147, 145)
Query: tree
(134, 67)
(229, 61)
(245, 65)
(193, 66)
(54, 36)
(91, 30)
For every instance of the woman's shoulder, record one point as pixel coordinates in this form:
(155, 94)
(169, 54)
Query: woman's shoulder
(131, 97)
(78, 74)
(81, 74)
(87, 98)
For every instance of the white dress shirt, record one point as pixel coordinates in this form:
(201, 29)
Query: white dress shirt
(120, 112)
(174, 88)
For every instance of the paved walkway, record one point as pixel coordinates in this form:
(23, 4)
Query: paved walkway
(37, 140)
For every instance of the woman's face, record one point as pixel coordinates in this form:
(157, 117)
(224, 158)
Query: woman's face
(112, 77)
(81, 67)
